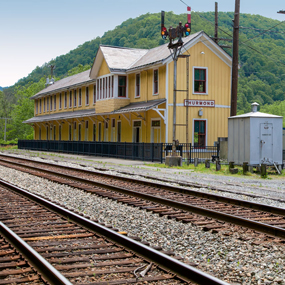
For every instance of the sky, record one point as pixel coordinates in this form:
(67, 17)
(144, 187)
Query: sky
(32, 32)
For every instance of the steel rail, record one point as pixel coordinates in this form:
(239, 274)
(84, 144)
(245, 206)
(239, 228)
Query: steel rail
(173, 265)
(48, 272)
(258, 226)
(213, 197)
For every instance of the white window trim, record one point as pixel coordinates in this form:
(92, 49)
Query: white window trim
(105, 91)
(137, 127)
(80, 96)
(87, 87)
(136, 86)
(60, 101)
(193, 80)
(117, 123)
(94, 96)
(193, 129)
(70, 95)
(155, 119)
(155, 94)
(65, 101)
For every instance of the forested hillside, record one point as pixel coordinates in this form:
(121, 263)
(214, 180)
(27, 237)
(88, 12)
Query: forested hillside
(262, 61)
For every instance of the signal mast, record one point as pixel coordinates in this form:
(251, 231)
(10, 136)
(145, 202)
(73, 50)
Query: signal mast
(175, 48)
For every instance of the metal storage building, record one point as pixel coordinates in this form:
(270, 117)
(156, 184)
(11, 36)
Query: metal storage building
(255, 138)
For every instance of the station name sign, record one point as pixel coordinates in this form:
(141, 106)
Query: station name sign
(199, 103)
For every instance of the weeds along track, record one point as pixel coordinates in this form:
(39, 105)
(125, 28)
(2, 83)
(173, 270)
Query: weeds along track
(209, 211)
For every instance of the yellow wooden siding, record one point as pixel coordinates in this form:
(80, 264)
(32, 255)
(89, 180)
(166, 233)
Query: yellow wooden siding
(219, 85)
(105, 106)
(104, 69)
(146, 85)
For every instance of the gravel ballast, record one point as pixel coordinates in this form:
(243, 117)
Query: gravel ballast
(229, 258)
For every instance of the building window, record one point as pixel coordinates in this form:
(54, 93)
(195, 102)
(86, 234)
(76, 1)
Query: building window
(138, 81)
(51, 103)
(113, 130)
(70, 133)
(47, 128)
(199, 133)
(79, 132)
(44, 105)
(59, 133)
(106, 131)
(60, 101)
(75, 98)
(79, 98)
(37, 108)
(65, 100)
(87, 96)
(155, 82)
(112, 86)
(100, 132)
(74, 131)
(54, 102)
(122, 86)
(137, 131)
(119, 132)
(40, 106)
(155, 131)
(94, 94)
(47, 104)
(98, 89)
(70, 99)
(54, 133)
(104, 88)
(94, 132)
(86, 130)
(200, 80)
(101, 88)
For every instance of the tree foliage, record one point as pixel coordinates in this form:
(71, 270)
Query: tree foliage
(261, 58)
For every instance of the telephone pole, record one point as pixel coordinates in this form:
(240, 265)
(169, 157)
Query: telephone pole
(235, 60)
(5, 126)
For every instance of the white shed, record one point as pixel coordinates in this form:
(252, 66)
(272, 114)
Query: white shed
(255, 138)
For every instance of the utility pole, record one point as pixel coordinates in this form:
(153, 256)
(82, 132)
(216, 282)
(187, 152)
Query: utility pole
(216, 22)
(173, 34)
(235, 59)
(5, 126)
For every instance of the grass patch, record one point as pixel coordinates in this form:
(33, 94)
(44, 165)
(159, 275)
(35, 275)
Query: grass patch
(212, 170)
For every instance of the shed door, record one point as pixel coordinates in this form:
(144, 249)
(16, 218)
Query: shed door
(266, 143)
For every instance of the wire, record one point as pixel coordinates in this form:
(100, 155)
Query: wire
(264, 32)
(248, 28)
(184, 3)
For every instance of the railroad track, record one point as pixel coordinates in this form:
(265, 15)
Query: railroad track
(14, 268)
(212, 212)
(85, 252)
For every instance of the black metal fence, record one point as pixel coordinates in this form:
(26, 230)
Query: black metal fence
(134, 151)
(189, 152)
(155, 152)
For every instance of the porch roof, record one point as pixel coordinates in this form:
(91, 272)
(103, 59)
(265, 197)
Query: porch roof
(132, 107)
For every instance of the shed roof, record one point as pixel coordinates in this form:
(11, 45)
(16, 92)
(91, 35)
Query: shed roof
(255, 115)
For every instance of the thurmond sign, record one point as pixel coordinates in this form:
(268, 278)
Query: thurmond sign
(199, 103)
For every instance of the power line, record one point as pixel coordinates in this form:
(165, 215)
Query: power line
(248, 28)
(184, 3)
(264, 32)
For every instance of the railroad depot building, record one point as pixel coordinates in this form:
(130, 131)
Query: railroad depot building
(127, 96)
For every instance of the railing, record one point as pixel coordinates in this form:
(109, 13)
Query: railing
(134, 151)
(189, 152)
(155, 152)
